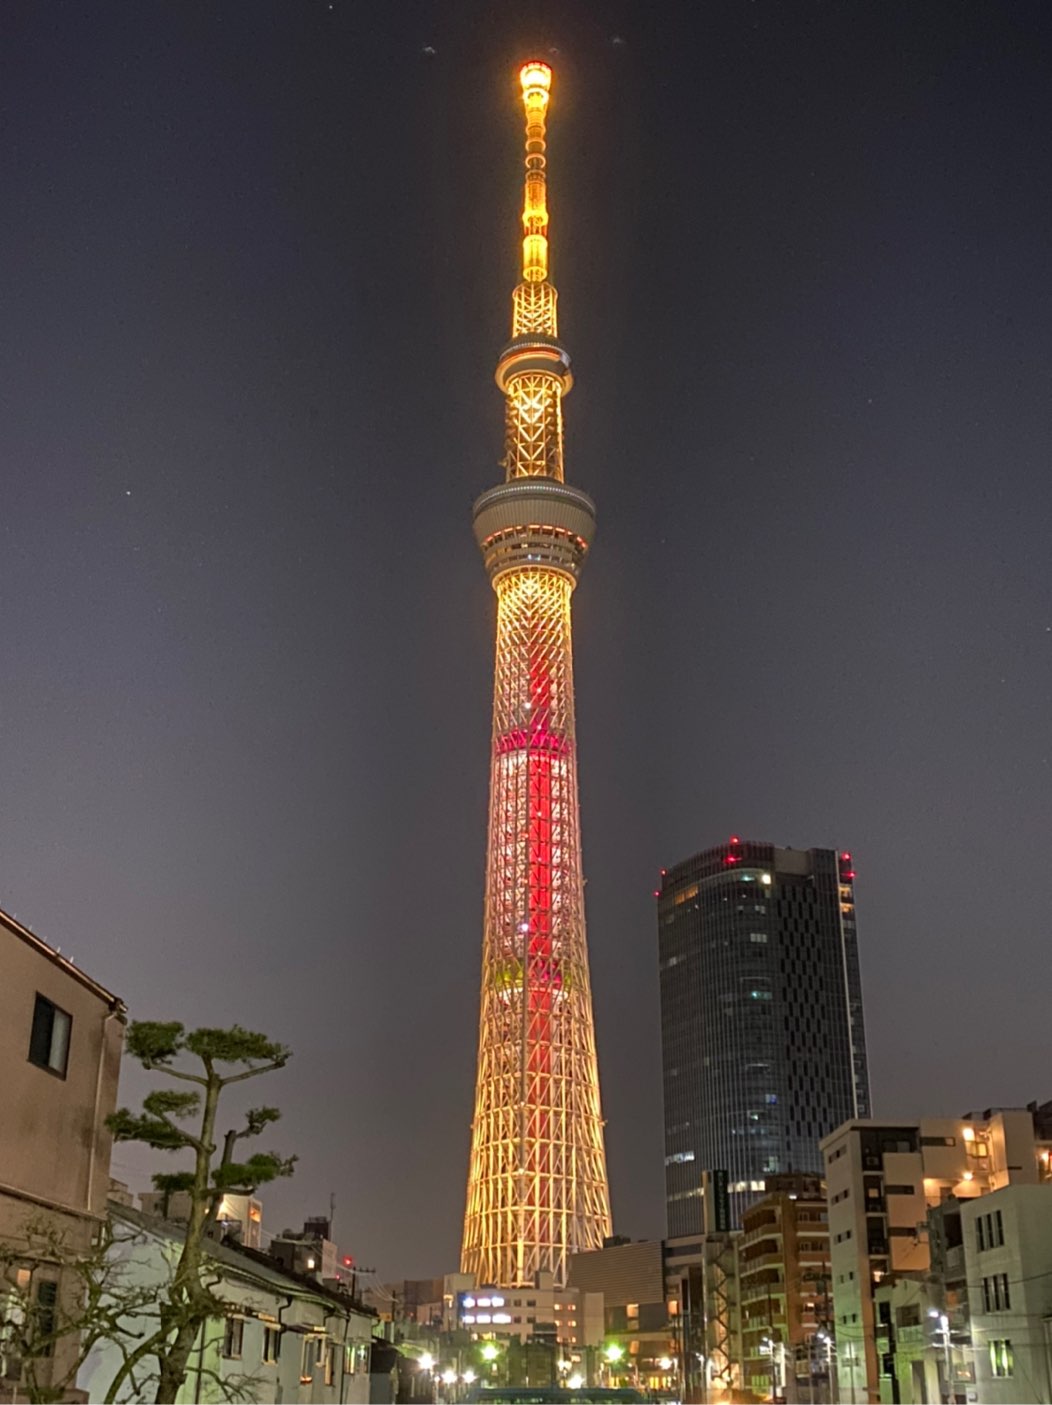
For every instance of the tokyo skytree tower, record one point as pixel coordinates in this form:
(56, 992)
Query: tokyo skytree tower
(537, 1186)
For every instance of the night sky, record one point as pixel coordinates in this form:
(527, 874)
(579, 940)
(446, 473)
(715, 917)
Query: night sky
(258, 260)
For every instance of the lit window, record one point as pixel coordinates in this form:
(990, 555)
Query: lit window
(49, 1040)
(1002, 1362)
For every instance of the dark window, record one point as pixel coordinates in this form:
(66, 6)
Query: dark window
(271, 1345)
(47, 1299)
(235, 1331)
(900, 1190)
(49, 1039)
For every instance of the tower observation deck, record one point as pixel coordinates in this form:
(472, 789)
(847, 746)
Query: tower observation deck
(537, 1185)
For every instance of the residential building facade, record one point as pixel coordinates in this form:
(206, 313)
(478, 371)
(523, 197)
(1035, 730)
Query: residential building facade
(1007, 1239)
(763, 1040)
(61, 1036)
(786, 1293)
(882, 1180)
(284, 1337)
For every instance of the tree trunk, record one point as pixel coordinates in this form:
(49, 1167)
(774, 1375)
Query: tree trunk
(173, 1362)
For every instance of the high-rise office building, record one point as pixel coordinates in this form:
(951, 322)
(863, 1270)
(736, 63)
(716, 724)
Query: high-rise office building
(763, 1044)
(537, 1188)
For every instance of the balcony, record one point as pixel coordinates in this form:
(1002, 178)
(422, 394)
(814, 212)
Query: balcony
(747, 1266)
(774, 1289)
(771, 1230)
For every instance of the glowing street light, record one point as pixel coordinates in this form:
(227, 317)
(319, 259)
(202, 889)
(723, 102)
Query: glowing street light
(468, 1376)
(614, 1352)
(427, 1361)
(490, 1351)
(449, 1376)
(576, 1381)
(665, 1363)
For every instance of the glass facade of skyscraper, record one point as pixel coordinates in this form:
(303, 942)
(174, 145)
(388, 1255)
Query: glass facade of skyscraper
(763, 1042)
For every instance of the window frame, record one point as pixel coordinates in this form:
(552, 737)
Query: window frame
(233, 1338)
(47, 1016)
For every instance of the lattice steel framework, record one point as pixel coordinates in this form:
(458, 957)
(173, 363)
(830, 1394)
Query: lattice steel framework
(537, 1186)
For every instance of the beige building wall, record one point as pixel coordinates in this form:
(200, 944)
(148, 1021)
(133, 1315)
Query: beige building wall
(55, 1147)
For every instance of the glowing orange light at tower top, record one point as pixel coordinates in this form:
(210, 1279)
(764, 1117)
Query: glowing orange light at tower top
(537, 1185)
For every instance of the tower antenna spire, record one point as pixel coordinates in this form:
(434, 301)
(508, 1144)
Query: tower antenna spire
(536, 80)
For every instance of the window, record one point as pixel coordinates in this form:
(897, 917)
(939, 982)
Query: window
(900, 1190)
(49, 1040)
(357, 1359)
(980, 1234)
(232, 1336)
(997, 1224)
(47, 1298)
(271, 1345)
(1002, 1361)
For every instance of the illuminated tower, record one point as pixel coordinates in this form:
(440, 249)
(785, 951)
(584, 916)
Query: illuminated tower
(537, 1189)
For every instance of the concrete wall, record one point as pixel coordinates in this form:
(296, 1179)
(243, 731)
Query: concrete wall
(55, 1148)
(1025, 1259)
(55, 1145)
(323, 1356)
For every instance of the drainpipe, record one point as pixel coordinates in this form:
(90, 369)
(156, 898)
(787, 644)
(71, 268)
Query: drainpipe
(281, 1345)
(114, 1010)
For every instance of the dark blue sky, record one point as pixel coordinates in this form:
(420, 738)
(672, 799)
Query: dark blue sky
(258, 261)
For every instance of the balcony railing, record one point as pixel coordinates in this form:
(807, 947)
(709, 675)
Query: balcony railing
(747, 1266)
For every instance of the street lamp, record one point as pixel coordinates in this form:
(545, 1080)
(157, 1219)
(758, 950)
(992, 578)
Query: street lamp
(576, 1381)
(827, 1351)
(943, 1332)
(776, 1351)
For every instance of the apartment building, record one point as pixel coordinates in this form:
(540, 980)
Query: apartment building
(882, 1179)
(785, 1288)
(61, 1036)
(1007, 1238)
(284, 1335)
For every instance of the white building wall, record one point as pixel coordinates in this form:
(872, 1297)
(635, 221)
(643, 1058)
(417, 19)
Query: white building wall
(323, 1357)
(1024, 1261)
(967, 1157)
